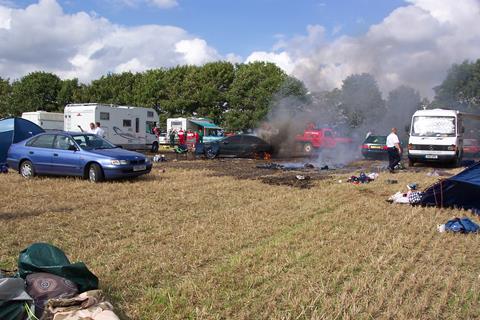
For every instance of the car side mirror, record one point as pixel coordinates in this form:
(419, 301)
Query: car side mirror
(72, 148)
(225, 142)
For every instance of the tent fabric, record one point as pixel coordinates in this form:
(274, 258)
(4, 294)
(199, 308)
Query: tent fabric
(43, 257)
(13, 130)
(13, 298)
(459, 191)
(205, 124)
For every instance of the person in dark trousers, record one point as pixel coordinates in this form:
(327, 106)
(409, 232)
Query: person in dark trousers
(394, 150)
(172, 138)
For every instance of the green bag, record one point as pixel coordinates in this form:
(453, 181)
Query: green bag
(43, 257)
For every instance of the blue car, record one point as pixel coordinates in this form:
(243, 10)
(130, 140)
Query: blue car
(75, 154)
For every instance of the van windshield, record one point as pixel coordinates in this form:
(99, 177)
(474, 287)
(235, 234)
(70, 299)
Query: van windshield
(430, 126)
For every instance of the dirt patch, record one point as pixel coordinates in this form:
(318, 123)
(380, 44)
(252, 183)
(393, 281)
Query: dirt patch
(5, 216)
(252, 170)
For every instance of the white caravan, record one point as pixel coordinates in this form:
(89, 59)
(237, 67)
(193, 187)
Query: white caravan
(437, 136)
(125, 126)
(211, 132)
(46, 120)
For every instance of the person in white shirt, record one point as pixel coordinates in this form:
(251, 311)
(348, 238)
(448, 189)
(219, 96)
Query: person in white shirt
(99, 131)
(91, 130)
(394, 150)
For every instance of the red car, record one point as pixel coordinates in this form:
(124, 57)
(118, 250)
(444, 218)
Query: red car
(471, 148)
(315, 139)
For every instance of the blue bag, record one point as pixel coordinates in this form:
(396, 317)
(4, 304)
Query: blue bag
(462, 225)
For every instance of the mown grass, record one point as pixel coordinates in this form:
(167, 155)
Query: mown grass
(188, 244)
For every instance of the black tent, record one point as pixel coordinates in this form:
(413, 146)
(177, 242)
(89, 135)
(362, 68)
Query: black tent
(459, 191)
(13, 130)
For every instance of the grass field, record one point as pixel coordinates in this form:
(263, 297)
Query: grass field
(190, 243)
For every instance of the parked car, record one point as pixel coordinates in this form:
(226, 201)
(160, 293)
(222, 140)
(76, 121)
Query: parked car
(75, 154)
(241, 145)
(471, 148)
(375, 147)
(163, 138)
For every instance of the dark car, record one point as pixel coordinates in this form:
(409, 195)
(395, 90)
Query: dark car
(75, 154)
(375, 147)
(238, 146)
(471, 148)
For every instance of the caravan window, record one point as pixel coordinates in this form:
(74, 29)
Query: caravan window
(43, 141)
(104, 116)
(150, 114)
(127, 123)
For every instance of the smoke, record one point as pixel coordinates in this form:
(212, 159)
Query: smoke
(352, 112)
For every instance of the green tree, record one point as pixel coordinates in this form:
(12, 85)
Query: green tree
(113, 88)
(252, 93)
(361, 100)
(5, 92)
(35, 91)
(461, 87)
(68, 93)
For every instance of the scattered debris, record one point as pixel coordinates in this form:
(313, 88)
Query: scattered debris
(391, 181)
(300, 177)
(159, 158)
(3, 168)
(459, 225)
(325, 167)
(363, 178)
(438, 173)
(411, 197)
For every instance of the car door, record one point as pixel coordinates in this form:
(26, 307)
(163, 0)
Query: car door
(231, 146)
(65, 157)
(39, 151)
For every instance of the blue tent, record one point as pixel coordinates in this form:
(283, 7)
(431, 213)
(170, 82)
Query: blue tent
(459, 191)
(13, 130)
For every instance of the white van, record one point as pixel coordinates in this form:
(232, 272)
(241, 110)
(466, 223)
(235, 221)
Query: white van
(125, 126)
(436, 135)
(45, 120)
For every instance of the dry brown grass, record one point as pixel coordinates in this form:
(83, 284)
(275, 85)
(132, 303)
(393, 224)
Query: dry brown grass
(188, 244)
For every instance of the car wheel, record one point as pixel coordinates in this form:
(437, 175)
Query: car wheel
(210, 154)
(411, 163)
(95, 173)
(155, 147)
(26, 169)
(307, 147)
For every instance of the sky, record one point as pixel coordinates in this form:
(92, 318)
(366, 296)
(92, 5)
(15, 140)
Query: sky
(321, 42)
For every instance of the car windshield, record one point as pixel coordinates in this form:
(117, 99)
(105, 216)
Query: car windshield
(92, 141)
(428, 126)
(376, 139)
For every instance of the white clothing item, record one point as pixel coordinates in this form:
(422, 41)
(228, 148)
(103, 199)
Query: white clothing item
(392, 139)
(100, 132)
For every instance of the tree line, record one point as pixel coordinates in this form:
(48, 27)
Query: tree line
(239, 96)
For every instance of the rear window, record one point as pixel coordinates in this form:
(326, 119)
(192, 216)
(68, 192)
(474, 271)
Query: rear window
(376, 139)
(43, 141)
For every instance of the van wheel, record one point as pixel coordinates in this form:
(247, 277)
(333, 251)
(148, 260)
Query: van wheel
(411, 163)
(26, 169)
(95, 173)
(307, 147)
(155, 147)
(457, 162)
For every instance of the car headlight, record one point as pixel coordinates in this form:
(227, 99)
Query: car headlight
(119, 162)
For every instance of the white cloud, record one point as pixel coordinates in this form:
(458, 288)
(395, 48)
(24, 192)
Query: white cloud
(164, 3)
(43, 37)
(414, 45)
(281, 59)
(196, 51)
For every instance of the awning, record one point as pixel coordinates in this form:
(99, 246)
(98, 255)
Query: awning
(205, 124)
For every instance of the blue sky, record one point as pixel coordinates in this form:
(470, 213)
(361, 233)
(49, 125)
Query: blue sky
(242, 26)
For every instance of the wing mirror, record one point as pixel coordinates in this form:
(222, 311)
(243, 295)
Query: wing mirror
(225, 142)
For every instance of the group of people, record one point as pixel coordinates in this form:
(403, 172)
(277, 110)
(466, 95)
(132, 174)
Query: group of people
(189, 137)
(95, 129)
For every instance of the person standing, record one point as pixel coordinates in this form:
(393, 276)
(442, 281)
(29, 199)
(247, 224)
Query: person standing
(172, 138)
(394, 150)
(92, 128)
(99, 131)
(200, 135)
(181, 137)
